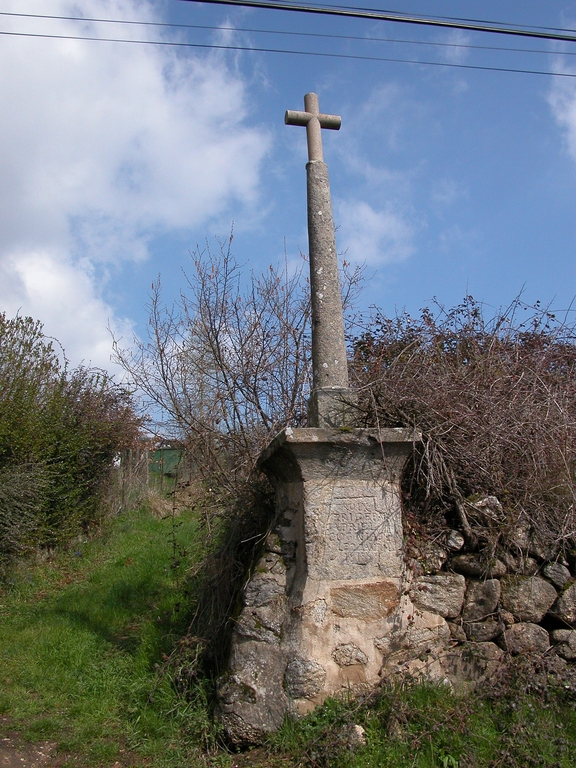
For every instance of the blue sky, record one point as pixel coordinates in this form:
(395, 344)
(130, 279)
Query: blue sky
(117, 159)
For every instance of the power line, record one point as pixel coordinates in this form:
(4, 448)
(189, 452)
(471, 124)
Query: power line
(426, 16)
(291, 33)
(436, 16)
(198, 26)
(255, 49)
(374, 15)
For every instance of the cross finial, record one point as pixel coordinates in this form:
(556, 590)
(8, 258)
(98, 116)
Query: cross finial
(314, 122)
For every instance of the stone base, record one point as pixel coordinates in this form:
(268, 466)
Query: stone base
(327, 603)
(334, 607)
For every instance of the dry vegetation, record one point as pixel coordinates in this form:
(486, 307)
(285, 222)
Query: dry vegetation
(227, 366)
(496, 402)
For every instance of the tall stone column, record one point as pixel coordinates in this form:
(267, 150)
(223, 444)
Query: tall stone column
(330, 391)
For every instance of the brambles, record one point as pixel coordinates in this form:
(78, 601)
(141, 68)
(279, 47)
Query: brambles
(496, 402)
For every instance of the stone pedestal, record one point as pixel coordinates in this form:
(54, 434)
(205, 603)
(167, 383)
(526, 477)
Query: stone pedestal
(324, 598)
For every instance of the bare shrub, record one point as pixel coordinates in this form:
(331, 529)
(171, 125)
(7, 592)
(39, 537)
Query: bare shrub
(496, 401)
(226, 367)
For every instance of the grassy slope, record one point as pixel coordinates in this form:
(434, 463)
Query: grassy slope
(81, 638)
(82, 644)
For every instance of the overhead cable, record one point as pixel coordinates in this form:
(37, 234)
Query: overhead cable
(255, 49)
(289, 33)
(374, 15)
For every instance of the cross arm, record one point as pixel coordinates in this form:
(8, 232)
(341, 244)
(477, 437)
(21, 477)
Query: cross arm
(293, 117)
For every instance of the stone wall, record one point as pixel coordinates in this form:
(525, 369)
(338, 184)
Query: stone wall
(520, 601)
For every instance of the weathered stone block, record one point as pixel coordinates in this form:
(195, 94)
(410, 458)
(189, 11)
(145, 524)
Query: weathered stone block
(507, 618)
(304, 678)
(525, 637)
(271, 562)
(263, 623)
(540, 548)
(349, 533)
(263, 589)
(455, 541)
(483, 631)
(457, 632)
(482, 599)
(347, 654)
(519, 535)
(528, 598)
(315, 610)
(468, 665)
(442, 593)
(252, 702)
(472, 565)
(566, 640)
(527, 566)
(558, 574)
(565, 606)
(432, 556)
(488, 509)
(522, 564)
(365, 601)
(425, 632)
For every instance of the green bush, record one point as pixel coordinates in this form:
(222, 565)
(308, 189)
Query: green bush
(60, 430)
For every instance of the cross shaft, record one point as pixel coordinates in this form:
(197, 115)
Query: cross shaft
(329, 366)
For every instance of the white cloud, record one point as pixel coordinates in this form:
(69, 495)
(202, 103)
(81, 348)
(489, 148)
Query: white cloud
(103, 146)
(445, 192)
(562, 100)
(63, 296)
(457, 49)
(371, 236)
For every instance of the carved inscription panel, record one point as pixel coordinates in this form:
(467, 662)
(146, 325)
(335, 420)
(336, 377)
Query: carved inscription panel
(353, 529)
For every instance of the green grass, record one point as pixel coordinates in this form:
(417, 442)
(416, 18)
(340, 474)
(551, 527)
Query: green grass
(427, 726)
(82, 645)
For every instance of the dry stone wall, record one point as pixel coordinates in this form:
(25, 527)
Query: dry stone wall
(526, 605)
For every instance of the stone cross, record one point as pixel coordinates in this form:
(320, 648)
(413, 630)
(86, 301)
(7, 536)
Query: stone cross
(330, 372)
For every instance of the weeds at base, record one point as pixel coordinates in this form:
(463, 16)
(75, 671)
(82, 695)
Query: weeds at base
(525, 717)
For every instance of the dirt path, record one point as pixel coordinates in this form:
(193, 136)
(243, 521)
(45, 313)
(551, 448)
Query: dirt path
(13, 754)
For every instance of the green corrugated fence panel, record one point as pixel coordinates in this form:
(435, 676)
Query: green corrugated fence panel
(165, 461)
